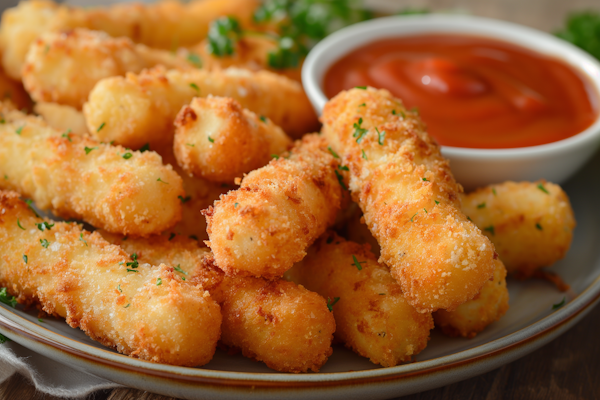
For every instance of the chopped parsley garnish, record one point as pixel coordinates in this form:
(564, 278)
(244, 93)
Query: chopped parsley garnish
(44, 226)
(275, 156)
(101, 126)
(340, 179)
(127, 156)
(403, 115)
(158, 281)
(29, 202)
(195, 87)
(333, 153)
(263, 118)
(364, 155)
(19, 224)
(184, 199)
(425, 210)
(357, 263)
(362, 105)
(359, 131)
(393, 112)
(559, 305)
(425, 180)
(583, 30)
(494, 191)
(161, 181)
(437, 202)
(132, 270)
(360, 87)
(145, 147)
(543, 189)
(482, 205)
(25, 258)
(538, 226)
(223, 34)
(192, 144)
(411, 218)
(20, 129)
(82, 239)
(490, 229)
(133, 264)
(195, 59)
(235, 205)
(7, 299)
(41, 320)
(330, 303)
(381, 136)
(119, 288)
(3, 339)
(343, 167)
(89, 149)
(178, 269)
(127, 305)
(44, 243)
(66, 135)
(211, 139)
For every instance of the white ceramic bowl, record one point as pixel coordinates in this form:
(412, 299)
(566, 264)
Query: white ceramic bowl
(555, 162)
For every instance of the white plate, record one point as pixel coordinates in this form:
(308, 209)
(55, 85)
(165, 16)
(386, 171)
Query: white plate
(530, 323)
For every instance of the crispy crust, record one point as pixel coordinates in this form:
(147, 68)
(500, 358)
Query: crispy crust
(266, 225)
(81, 277)
(409, 199)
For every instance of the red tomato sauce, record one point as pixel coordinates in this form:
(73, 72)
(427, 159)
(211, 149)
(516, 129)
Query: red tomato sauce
(472, 91)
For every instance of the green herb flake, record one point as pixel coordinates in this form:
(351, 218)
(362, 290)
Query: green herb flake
(425, 180)
(161, 181)
(559, 305)
(25, 258)
(127, 305)
(20, 129)
(582, 30)
(171, 236)
(330, 303)
(192, 144)
(364, 155)
(178, 269)
(362, 105)
(359, 131)
(158, 281)
(3, 339)
(132, 270)
(275, 156)
(195, 87)
(437, 202)
(425, 210)
(235, 205)
(490, 229)
(361, 87)
(223, 35)
(135, 263)
(42, 226)
(41, 320)
(211, 139)
(340, 179)
(195, 59)
(119, 287)
(66, 135)
(5, 177)
(19, 224)
(145, 147)
(263, 118)
(333, 153)
(412, 218)
(538, 226)
(81, 239)
(482, 205)
(184, 199)
(357, 263)
(88, 150)
(127, 156)
(494, 191)
(29, 203)
(7, 299)
(100, 127)
(343, 167)
(381, 136)
(543, 189)
(45, 243)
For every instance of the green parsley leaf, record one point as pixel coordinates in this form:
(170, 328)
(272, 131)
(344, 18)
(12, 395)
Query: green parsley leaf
(494, 191)
(89, 149)
(41, 320)
(333, 153)
(583, 30)
(3, 339)
(178, 269)
(132, 270)
(482, 205)
(66, 135)
(145, 147)
(359, 131)
(330, 303)
(543, 189)
(223, 35)
(20, 129)
(364, 155)
(25, 258)
(158, 281)
(100, 127)
(127, 156)
(19, 224)
(263, 118)
(411, 218)
(45, 243)
(538, 226)
(184, 199)
(135, 263)
(340, 179)
(437, 202)
(191, 144)
(344, 167)
(161, 181)
(7, 299)
(195, 59)
(275, 156)
(211, 139)
(195, 87)
(357, 263)
(235, 205)
(425, 180)
(490, 229)
(559, 305)
(381, 137)
(119, 288)
(81, 239)
(127, 305)
(29, 203)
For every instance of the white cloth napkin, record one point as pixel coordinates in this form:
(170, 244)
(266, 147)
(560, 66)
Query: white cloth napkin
(47, 375)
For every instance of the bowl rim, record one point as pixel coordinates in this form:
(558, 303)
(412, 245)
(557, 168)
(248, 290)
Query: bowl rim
(340, 43)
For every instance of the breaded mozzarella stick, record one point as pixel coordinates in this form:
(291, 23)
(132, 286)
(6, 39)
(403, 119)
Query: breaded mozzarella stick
(371, 315)
(218, 140)
(76, 177)
(140, 109)
(409, 199)
(265, 226)
(530, 223)
(279, 323)
(143, 311)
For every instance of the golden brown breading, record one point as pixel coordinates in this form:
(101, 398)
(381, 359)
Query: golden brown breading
(77, 177)
(266, 225)
(164, 24)
(371, 315)
(63, 67)
(62, 118)
(218, 140)
(409, 199)
(475, 315)
(140, 310)
(286, 326)
(140, 109)
(530, 223)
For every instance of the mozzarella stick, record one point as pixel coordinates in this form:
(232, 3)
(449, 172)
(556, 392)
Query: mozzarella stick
(143, 311)
(372, 316)
(63, 67)
(140, 109)
(266, 225)
(164, 24)
(77, 177)
(218, 140)
(475, 315)
(530, 223)
(279, 323)
(409, 198)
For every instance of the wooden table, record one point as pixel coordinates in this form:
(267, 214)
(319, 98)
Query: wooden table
(568, 368)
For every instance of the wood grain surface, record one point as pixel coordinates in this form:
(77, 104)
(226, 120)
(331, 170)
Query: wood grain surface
(567, 368)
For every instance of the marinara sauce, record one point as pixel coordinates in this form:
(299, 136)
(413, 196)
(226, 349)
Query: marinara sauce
(472, 91)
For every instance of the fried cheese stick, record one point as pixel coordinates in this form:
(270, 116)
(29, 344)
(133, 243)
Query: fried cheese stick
(530, 223)
(62, 118)
(284, 325)
(265, 226)
(63, 67)
(164, 24)
(140, 109)
(475, 315)
(77, 177)
(409, 199)
(140, 310)
(371, 315)
(218, 140)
